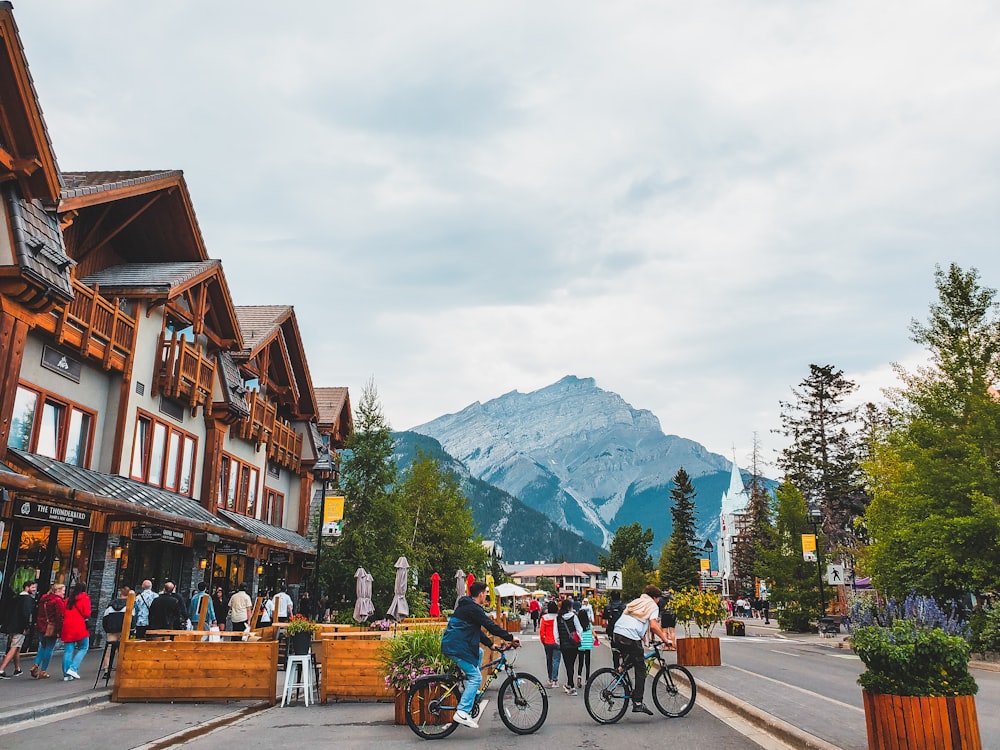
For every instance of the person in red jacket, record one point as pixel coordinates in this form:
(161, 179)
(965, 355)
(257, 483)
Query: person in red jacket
(49, 623)
(75, 636)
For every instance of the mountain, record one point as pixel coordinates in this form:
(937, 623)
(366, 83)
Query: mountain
(583, 457)
(521, 532)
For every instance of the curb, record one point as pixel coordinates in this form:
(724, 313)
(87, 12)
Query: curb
(778, 728)
(47, 710)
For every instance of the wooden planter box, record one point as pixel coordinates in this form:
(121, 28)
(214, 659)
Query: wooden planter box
(350, 669)
(907, 722)
(400, 708)
(699, 652)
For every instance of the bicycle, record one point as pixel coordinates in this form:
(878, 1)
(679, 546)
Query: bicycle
(609, 691)
(432, 700)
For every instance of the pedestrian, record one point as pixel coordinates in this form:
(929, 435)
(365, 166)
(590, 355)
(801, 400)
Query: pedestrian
(460, 643)
(640, 616)
(220, 610)
(49, 624)
(284, 604)
(166, 611)
(112, 622)
(568, 631)
(588, 608)
(195, 609)
(240, 606)
(20, 616)
(588, 639)
(306, 608)
(550, 642)
(612, 611)
(74, 635)
(668, 621)
(267, 610)
(140, 609)
(741, 604)
(765, 610)
(535, 610)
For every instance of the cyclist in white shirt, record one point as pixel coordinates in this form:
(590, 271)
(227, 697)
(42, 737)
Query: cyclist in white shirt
(640, 616)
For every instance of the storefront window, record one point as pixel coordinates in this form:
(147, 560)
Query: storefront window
(53, 554)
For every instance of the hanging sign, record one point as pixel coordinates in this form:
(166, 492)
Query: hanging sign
(333, 515)
(230, 548)
(279, 557)
(52, 513)
(144, 533)
(809, 547)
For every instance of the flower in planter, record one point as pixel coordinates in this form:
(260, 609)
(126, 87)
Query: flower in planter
(701, 608)
(911, 648)
(382, 625)
(409, 655)
(301, 624)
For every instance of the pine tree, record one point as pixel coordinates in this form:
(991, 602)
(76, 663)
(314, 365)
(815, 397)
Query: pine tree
(756, 535)
(679, 559)
(821, 460)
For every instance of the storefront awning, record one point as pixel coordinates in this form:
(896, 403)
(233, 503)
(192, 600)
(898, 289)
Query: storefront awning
(277, 536)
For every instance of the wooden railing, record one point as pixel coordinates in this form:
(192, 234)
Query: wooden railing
(183, 372)
(284, 444)
(95, 326)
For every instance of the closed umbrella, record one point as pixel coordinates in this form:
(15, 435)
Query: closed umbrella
(460, 589)
(399, 608)
(435, 595)
(363, 607)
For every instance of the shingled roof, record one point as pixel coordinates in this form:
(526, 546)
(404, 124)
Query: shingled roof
(38, 244)
(143, 279)
(259, 322)
(77, 184)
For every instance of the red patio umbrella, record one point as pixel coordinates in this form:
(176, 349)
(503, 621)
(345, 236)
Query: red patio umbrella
(435, 593)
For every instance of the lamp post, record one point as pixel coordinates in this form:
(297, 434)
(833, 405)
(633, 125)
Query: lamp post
(323, 470)
(816, 519)
(709, 548)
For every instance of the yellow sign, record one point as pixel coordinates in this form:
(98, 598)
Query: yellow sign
(333, 509)
(491, 592)
(809, 547)
(706, 564)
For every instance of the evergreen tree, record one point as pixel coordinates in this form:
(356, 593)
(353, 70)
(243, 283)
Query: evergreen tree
(821, 460)
(934, 472)
(757, 533)
(679, 559)
(372, 536)
(629, 542)
(794, 588)
(439, 532)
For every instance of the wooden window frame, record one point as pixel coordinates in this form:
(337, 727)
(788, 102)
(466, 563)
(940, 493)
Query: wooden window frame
(169, 477)
(233, 468)
(43, 397)
(273, 499)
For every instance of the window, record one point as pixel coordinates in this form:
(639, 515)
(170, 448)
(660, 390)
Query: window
(238, 486)
(162, 455)
(50, 426)
(274, 507)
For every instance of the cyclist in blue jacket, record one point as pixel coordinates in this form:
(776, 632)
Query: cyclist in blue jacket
(460, 643)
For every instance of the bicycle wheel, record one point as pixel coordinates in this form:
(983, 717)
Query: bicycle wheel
(523, 703)
(674, 691)
(430, 706)
(607, 695)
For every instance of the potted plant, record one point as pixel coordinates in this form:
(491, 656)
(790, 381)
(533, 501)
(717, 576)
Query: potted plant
(407, 656)
(300, 631)
(917, 688)
(705, 610)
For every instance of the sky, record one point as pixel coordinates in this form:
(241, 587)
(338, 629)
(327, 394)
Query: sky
(688, 202)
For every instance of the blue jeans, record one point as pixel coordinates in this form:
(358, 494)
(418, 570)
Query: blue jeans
(73, 655)
(552, 658)
(45, 647)
(473, 679)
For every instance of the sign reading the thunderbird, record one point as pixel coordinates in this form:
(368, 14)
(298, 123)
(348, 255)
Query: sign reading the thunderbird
(53, 514)
(144, 533)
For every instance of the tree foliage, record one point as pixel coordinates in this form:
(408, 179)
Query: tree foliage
(821, 460)
(934, 467)
(634, 579)
(757, 533)
(679, 558)
(630, 542)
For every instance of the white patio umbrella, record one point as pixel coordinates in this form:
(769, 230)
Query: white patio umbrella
(459, 585)
(363, 607)
(399, 608)
(510, 589)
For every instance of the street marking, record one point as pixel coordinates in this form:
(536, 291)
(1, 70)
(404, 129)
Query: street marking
(801, 690)
(845, 656)
(786, 653)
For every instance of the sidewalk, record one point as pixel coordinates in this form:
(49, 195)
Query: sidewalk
(23, 698)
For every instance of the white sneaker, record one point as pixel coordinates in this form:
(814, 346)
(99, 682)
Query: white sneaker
(73, 673)
(67, 678)
(465, 720)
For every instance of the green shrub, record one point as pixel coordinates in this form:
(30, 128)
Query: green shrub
(985, 624)
(795, 619)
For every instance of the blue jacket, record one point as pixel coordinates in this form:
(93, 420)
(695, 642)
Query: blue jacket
(464, 633)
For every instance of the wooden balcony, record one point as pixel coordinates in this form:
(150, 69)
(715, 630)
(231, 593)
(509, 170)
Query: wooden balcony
(94, 326)
(184, 373)
(284, 444)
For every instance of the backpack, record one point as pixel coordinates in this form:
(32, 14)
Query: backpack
(546, 631)
(612, 611)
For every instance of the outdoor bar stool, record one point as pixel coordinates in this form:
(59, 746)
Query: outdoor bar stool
(298, 676)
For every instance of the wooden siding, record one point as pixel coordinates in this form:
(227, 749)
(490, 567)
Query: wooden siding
(183, 372)
(284, 444)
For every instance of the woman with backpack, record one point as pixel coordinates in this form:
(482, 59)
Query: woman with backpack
(49, 623)
(550, 642)
(75, 636)
(568, 631)
(588, 639)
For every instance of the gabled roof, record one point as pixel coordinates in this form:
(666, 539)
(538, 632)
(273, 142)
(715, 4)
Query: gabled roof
(162, 282)
(264, 326)
(110, 218)
(231, 381)
(335, 416)
(25, 149)
(38, 246)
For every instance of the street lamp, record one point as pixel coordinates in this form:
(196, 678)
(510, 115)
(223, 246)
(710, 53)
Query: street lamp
(709, 547)
(816, 519)
(323, 470)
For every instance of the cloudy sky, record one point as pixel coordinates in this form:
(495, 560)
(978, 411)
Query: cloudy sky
(688, 202)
